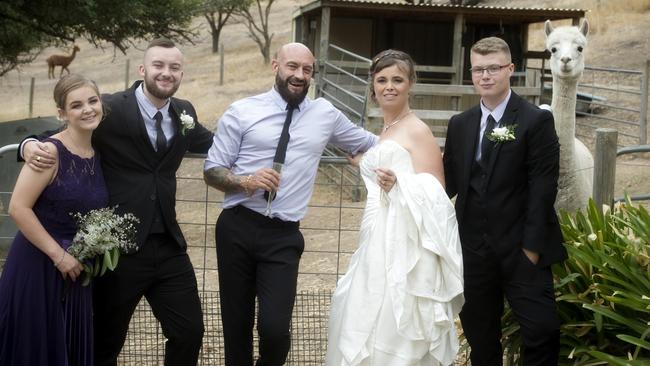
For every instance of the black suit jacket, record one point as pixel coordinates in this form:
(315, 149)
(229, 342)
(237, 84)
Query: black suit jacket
(136, 178)
(521, 182)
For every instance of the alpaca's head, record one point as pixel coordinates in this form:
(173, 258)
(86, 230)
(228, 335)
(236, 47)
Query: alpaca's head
(566, 44)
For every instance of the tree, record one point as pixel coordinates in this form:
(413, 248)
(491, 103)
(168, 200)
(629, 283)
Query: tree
(217, 13)
(257, 21)
(27, 27)
(19, 45)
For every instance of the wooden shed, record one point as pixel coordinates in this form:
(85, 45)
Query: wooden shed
(435, 34)
(345, 34)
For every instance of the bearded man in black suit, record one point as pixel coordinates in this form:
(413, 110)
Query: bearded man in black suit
(502, 163)
(142, 142)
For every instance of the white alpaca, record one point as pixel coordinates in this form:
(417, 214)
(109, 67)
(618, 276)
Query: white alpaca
(566, 44)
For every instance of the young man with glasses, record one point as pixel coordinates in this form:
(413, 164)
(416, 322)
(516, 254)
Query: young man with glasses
(502, 162)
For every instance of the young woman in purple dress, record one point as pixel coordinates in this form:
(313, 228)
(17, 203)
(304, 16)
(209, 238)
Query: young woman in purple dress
(40, 323)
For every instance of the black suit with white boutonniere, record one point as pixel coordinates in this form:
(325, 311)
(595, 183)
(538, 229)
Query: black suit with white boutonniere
(504, 205)
(142, 181)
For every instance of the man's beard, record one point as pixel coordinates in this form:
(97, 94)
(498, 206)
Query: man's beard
(282, 87)
(153, 89)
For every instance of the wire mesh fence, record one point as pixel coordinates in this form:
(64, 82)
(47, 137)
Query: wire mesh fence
(612, 98)
(615, 98)
(145, 344)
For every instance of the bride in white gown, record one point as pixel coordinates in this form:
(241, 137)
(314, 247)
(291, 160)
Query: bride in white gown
(397, 302)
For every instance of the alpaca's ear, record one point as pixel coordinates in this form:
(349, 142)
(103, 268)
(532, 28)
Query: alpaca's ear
(548, 27)
(584, 27)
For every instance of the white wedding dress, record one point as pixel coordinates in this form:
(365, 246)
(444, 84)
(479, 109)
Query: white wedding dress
(397, 302)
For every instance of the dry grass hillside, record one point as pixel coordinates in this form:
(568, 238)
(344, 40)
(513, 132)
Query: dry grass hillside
(245, 72)
(617, 34)
(618, 39)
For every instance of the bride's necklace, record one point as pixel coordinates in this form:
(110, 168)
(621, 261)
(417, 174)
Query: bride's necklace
(386, 127)
(90, 165)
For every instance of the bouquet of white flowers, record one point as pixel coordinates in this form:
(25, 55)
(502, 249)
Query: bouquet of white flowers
(102, 232)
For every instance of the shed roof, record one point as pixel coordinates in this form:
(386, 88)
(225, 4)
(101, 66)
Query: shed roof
(515, 13)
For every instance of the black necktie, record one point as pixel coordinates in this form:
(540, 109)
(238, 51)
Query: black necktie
(486, 143)
(161, 140)
(281, 150)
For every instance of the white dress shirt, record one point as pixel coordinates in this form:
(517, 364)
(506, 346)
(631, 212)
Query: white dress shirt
(148, 110)
(497, 114)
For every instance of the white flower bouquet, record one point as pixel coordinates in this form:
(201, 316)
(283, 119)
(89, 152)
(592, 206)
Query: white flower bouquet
(101, 236)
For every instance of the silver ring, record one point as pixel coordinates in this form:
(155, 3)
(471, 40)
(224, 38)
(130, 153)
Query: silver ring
(38, 158)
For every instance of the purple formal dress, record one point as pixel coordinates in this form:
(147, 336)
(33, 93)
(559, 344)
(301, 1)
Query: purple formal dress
(38, 324)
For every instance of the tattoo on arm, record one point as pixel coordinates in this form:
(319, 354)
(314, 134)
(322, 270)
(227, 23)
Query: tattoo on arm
(224, 180)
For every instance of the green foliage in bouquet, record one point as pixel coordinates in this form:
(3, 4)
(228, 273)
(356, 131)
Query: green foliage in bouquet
(602, 289)
(101, 236)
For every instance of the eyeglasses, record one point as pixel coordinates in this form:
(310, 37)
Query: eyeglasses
(491, 70)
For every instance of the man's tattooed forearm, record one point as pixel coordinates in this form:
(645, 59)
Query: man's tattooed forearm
(223, 179)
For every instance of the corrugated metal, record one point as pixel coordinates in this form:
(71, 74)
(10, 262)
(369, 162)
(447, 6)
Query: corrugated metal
(447, 5)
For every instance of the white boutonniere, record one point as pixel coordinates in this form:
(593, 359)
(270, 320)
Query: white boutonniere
(502, 134)
(187, 122)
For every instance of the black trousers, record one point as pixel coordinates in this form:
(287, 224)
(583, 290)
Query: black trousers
(529, 291)
(257, 256)
(160, 271)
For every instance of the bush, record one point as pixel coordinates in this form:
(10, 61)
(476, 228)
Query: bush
(602, 289)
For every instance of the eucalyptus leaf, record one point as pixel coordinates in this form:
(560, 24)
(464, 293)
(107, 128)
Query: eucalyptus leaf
(86, 279)
(96, 268)
(115, 257)
(108, 264)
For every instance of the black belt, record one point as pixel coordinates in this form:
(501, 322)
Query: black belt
(260, 219)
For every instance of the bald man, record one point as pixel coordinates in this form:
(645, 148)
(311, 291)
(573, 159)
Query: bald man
(142, 142)
(258, 240)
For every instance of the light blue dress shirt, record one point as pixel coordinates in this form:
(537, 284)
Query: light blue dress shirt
(247, 137)
(497, 114)
(148, 110)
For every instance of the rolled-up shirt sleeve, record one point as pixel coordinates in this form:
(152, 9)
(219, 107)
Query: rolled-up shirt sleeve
(227, 141)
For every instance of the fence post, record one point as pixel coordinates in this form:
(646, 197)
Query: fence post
(126, 74)
(643, 114)
(31, 97)
(221, 63)
(323, 48)
(605, 166)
